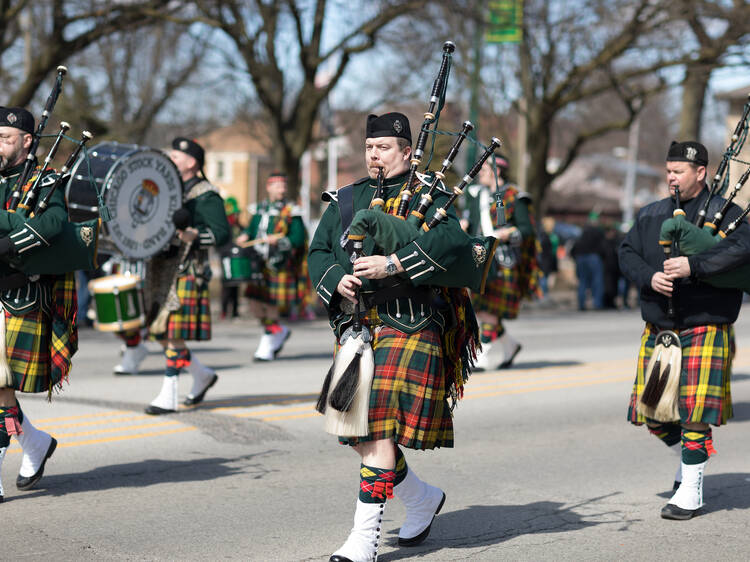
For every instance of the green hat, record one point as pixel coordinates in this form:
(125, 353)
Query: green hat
(230, 206)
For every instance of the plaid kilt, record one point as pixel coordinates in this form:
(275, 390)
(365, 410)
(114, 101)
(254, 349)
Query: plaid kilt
(409, 399)
(40, 347)
(192, 321)
(284, 288)
(705, 390)
(503, 293)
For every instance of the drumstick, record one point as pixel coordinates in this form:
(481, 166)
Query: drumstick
(249, 243)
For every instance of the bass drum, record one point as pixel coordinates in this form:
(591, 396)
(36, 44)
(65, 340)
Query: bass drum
(140, 186)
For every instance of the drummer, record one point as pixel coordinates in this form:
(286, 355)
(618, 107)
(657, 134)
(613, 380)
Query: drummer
(230, 290)
(282, 238)
(190, 318)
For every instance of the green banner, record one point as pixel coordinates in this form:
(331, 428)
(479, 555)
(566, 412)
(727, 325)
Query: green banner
(504, 23)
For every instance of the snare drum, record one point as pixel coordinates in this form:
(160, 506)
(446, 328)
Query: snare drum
(241, 265)
(140, 186)
(118, 301)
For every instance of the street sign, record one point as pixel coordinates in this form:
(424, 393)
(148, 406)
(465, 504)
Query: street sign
(504, 22)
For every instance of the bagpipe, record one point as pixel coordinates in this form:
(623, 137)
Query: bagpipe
(344, 398)
(79, 240)
(695, 238)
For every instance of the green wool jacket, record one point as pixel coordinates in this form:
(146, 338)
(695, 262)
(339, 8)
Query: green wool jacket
(434, 252)
(27, 234)
(206, 209)
(516, 215)
(296, 233)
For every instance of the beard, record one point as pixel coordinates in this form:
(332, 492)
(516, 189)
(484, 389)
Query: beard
(4, 163)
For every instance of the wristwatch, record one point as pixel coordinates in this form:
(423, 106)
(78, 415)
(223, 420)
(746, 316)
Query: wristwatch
(390, 266)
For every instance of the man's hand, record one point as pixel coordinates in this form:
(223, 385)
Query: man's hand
(187, 235)
(661, 283)
(348, 286)
(503, 233)
(373, 267)
(677, 268)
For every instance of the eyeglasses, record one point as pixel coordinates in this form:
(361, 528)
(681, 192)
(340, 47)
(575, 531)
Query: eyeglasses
(8, 139)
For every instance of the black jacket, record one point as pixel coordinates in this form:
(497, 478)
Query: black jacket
(696, 302)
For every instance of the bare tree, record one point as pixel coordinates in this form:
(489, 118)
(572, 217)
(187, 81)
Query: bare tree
(283, 50)
(713, 50)
(55, 30)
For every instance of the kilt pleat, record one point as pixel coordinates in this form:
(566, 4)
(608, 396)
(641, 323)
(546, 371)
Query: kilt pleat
(284, 288)
(192, 321)
(502, 295)
(27, 341)
(705, 386)
(408, 399)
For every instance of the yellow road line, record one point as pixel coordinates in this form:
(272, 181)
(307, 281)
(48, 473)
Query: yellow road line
(115, 429)
(56, 426)
(117, 438)
(81, 417)
(537, 382)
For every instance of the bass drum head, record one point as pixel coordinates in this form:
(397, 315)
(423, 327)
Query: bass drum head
(142, 190)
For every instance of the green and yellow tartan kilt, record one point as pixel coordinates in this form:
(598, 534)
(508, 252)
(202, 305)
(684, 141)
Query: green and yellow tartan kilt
(705, 386)
(408, 399)
(282, 289)
(27, 342)
(192, 321)
(502, 295)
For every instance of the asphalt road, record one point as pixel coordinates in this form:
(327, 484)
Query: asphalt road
(545, 466)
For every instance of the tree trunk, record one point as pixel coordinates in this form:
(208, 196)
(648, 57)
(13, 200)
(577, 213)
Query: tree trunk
(694, 88)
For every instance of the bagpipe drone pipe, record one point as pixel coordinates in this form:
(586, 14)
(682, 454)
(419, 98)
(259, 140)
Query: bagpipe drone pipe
(75, 246)
(392, 232)
(695, 238)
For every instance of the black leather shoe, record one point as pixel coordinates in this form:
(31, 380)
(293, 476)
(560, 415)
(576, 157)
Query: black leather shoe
(198, 398)
(28, 482)
(420, 538)
(509, 361)
(339, 558)
(671, 511)
(156, 411)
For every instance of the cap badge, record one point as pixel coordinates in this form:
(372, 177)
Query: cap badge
(691, 153)
(184, 145)
(479, 253)
(12, 118)
(397, 126)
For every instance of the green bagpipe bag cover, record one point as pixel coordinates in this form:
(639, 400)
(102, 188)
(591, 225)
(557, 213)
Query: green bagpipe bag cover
(692, 240)
(74, 248)
(472, 259)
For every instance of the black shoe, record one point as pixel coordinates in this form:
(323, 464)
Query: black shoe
(671, 511)
(198, 398)
(28, 482)
(420, 538)
(509, 361)
(339, 558)
(157, 411)
(676, 485)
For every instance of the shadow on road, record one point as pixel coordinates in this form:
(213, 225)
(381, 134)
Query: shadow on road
(723, 492)
(160, 371)
(486, 525)
(542, 364)
(147, 473)
(741, 412)
(250, 400)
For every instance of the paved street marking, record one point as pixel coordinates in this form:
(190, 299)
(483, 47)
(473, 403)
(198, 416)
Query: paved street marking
(289, 407)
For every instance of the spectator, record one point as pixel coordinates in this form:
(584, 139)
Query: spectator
(587, 252)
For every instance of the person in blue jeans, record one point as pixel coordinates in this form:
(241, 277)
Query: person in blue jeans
(587, 251)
